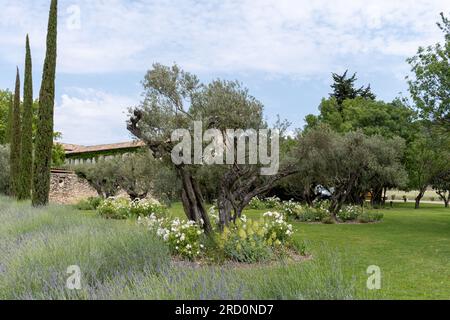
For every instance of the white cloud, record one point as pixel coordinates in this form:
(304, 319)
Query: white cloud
(87, 116)
(288, 37)
(272, 39)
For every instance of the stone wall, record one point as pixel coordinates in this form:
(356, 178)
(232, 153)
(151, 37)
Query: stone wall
(67, 188)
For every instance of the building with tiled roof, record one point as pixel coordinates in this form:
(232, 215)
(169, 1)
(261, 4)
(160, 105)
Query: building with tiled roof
(76, 154)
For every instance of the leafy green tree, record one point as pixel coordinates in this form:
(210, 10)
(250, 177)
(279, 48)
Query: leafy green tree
(15, 141)
(169, 92)
(174, 99)
(58, 153)
(136, 173)
(441, 184)
(4, 169)
(224, 105)
(427, 157)
(370, 116)
(430, 85)
(44, 135)
(166, 184)
(6, 107)
(26, 157)
(348, 164)
(102, 176)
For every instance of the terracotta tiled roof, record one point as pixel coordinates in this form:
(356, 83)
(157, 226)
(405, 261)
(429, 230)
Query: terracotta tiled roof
(76, 149)
(69, 147)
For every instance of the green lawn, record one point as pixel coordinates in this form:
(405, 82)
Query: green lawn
(412, 248)
(120, 260)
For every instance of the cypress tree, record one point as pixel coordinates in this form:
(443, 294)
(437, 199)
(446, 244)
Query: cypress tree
(14, 160)
(26, 155)
(44, 134)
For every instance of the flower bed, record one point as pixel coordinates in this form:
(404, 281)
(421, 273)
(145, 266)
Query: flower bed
(123, 208)
(267, 203)
(247, 240)
(320, 213)
(183, 237)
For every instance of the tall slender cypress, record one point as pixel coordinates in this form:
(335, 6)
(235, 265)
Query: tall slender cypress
(26, 154)
(14, 161)
(44, 134)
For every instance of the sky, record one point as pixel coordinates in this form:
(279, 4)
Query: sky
(284, 51)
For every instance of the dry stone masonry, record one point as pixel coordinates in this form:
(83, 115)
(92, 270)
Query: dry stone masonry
(67, 188)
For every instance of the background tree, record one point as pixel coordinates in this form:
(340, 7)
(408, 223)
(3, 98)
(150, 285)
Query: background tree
(426, 158)
(44, 135)
(6, 107)
(136, 173)
(348, 164)
(15, 141)
(344, 88)
(26, 156)
(441, 184)
(430, 85)
(4, 169)
(166, 184)
(102, 176)
(370, 116)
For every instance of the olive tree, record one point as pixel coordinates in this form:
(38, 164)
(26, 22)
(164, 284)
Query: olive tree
(135, 173)
(173, 100)
(350, 163)
(168, 95)
(102, 176)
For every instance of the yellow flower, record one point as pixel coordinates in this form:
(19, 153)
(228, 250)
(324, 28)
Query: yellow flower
(242, 234)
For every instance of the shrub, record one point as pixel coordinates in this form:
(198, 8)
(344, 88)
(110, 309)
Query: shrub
(257, 204)
(91, 203)
(122, 208)
(296, 211)
(368, 217)
(268, 203)
(272, 202)
(278, 231)
(252, 241)
(184, 238)
(349, 213)
(328, 220)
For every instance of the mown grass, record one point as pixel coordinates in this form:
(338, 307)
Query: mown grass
(120, 260)
(412, 248)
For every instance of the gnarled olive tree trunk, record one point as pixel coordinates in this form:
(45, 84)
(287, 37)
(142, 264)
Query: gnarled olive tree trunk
(192, 199)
